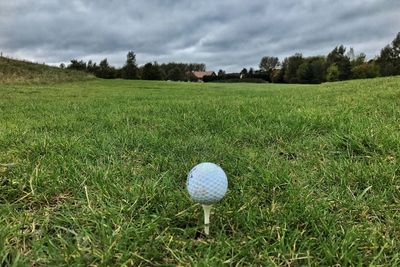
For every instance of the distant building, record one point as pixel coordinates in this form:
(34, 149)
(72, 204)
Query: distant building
(199, 75)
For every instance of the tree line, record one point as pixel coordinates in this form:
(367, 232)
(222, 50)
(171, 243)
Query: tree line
(340, 64)
(149, 71)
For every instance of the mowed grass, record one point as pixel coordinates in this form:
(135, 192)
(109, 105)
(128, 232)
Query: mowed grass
(100, 171)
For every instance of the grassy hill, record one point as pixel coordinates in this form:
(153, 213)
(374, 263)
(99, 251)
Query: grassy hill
(22, 72)
(94, 173)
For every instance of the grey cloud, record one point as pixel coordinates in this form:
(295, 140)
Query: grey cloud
(223, 34)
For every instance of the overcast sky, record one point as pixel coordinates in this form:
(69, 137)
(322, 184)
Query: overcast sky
(223, 34)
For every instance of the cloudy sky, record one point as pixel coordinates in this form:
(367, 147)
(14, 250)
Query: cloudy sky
(223, 34)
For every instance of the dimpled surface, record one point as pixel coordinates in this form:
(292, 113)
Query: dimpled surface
(207, 183)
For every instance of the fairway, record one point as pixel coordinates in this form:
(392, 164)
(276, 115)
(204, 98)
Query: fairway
(100, 173)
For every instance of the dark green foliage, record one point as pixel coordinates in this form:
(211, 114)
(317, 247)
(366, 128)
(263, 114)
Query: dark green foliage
(251, 76)
(332, 73)
(226, 77)
(177, 71)
(337, 66)
(318, 68)
(77, 65)
(105, 71)
(173, 71)
(337, 56)
(296, 69)
(151, 71)
(262, 75)
(387, 62)
(312, 70)
(291, 65)
(176, 74)
(365, 70)
(396, 46)
(304, 73)
(130, 70)
(92, 67)
(180, 71)
(344, 69)
(389, 58)
(251, 71)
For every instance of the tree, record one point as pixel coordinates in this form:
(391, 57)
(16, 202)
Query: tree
(196, 67)
(277, 76)
(358, 60)
(304, 73)
(77, 65)
(268, 63)
(130, 70)
(251, 72)
(337, 56)
(332, 73)
(176, 74)
(221, 73)
(291, 65)
(396, 53)
(396, 46)
(318, 67)
(105, 71)
(365, 70)
(389, 58)
(243, 73)
(312, 70)
(386, 61)
(151, 71)
(62, 66)
(92, 67)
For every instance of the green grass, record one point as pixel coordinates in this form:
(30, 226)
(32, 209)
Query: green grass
(14, 72)
(100, 171)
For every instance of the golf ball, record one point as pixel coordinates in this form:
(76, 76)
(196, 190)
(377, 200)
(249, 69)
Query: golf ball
(207, 183)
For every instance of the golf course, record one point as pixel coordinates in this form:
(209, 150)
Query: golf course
(93, 173)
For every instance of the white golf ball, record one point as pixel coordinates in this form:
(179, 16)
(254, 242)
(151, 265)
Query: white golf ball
(207, 183)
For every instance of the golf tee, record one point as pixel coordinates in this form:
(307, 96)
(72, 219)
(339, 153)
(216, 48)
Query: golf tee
(207, 212)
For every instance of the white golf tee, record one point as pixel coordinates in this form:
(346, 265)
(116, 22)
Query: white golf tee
(207, 213)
